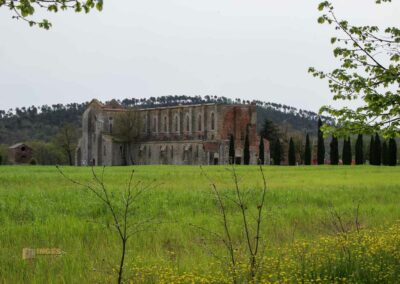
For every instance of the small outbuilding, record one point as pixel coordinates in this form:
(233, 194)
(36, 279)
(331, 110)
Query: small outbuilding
(20, 153)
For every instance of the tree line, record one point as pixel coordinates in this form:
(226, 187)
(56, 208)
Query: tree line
(379, 152)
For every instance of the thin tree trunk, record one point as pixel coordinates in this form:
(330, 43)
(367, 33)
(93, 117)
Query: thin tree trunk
(70, 158)
(121, 265)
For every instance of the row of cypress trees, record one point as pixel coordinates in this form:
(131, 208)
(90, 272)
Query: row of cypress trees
(246, 150)
(382, 153)
(346, 151)
(379, 153)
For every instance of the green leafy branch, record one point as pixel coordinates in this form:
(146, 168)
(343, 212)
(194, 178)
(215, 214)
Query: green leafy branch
(25, 9)
(369, 72)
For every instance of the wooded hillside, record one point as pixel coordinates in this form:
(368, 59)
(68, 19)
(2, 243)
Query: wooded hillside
(44, 122)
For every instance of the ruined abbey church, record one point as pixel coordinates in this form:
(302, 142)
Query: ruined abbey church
(179, 135)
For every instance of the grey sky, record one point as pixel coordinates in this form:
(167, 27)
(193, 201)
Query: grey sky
(252, 49)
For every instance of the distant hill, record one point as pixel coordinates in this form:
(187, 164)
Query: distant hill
(37, 123)
(43, 122)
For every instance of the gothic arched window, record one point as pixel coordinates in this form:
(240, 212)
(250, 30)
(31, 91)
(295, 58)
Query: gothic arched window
(187, 123)
(154, 124)
(144, 125)
(199, 123)
(212, 121)
(110, 123)
(176, 123)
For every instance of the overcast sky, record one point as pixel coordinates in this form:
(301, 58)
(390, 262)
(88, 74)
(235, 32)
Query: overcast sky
(251, 49)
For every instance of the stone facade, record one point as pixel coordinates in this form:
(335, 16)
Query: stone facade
(20, 154)
(180, 135)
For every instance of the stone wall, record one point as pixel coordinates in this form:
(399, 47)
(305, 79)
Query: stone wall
(192, 135)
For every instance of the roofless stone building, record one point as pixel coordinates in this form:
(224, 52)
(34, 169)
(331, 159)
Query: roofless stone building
(20, 153)
(179, 135)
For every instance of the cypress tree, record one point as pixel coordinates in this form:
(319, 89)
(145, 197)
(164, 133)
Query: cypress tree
(231, 150)
(350, 151)
(246, 150)
(344, 152)
(334, 151)
(372, 151)
(261, 151)
(392, 156)
(277, 153)
(347, 156)
(292, 153)
(378, 150)
(384, 154)
(307, 151)
(321, 145)
(359, 150)
(271, 132)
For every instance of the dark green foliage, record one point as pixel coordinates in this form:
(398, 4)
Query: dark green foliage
(377, 150)
(277, 153)
(359, 150)
(307, 151)
(33, 162)
(38, 123)
(48, 153)
(231, 150)
(372, 160)
(67, 140)
(321, 145)
(271, 132)
(3, 154)
(334, 151)
(246, 150)
(392, 155)
(350, 153)
(292, 153)
(347, 155)
(261, 155)
(385, 154)
(281, 115)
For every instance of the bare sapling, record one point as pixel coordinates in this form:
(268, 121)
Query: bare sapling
(251, 225)
(121, 210)
(343, 223)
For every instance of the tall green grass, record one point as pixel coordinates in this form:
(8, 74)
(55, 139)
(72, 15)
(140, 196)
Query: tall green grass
(39, 208)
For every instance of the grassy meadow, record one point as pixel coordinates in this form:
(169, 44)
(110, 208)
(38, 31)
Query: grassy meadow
(303, 239)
